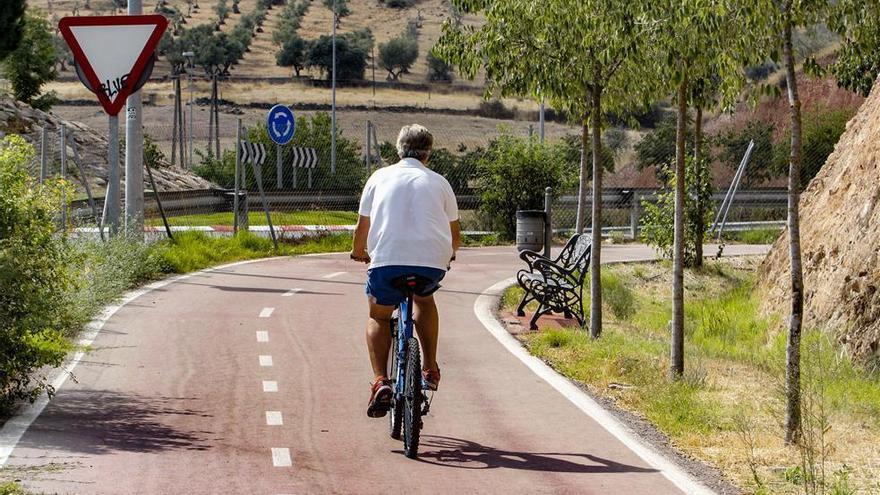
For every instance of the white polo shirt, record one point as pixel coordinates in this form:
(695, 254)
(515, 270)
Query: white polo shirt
(410, 207)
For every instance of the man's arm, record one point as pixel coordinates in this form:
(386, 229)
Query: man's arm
(455, 227)
(359, 247)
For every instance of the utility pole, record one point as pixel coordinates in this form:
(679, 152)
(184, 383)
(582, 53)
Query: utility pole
(541, 122)
(134, 155)
(189, 56)
(333, 123)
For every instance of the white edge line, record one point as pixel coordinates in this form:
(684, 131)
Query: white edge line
(484, 309)
(292, 292)
(17, 425)
(334, 275)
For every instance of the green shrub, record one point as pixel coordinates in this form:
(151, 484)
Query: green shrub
(822, 129)
(33, 278)
(658, 221)
(512, 174)
(312, 132)
(219, 171)
(439, 70)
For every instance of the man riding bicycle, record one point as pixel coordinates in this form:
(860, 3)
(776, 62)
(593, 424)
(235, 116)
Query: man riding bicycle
(408, 224)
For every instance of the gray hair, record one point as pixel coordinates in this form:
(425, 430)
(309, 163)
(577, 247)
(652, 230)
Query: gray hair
(414, 141)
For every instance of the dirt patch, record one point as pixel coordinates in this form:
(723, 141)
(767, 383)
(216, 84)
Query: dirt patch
(840, 230)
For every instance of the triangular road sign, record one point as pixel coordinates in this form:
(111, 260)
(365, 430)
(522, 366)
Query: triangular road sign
(113, 51)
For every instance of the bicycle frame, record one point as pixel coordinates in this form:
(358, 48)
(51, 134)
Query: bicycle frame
(405, 327)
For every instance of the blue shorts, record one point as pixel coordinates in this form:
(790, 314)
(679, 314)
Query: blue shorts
(379, 282)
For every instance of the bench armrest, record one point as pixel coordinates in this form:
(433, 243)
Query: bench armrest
(530, 257)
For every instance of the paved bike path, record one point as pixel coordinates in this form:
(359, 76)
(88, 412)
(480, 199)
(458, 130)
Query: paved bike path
(254, 379)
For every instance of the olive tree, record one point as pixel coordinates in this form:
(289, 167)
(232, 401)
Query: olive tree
(585, 56)
(398, 55)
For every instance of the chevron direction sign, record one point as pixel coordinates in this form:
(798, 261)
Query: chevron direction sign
(253, 152)
(305, 157)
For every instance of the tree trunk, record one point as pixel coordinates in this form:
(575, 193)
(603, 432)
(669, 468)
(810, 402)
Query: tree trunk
(699, 226)
(677, 354)
(582, 179)
(793, 348)
(596, 252)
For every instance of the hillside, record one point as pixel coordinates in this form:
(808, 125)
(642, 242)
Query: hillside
(840, 232)
(259, 62)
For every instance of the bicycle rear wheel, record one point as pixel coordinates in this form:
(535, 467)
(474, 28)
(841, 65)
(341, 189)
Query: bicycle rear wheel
(412, 410)
(395, 419)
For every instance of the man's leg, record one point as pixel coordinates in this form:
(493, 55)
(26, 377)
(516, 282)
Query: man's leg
(427, 326)
(379, 337)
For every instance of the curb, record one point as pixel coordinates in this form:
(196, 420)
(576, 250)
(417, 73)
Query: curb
(484, 309)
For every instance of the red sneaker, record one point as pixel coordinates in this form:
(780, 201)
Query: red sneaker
(431, 379)
(380, 398)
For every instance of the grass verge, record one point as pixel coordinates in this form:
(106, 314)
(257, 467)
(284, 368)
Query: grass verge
(727, 409)
(258, 217)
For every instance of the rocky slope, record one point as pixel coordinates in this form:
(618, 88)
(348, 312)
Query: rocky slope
(840, 235)
(17, 118)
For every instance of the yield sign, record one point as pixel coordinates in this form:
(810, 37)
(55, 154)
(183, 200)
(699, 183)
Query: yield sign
(113, 51)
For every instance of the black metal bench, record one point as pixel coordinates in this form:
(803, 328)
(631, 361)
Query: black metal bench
(556, 284)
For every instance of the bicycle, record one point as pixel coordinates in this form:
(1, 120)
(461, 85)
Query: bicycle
(409, 402)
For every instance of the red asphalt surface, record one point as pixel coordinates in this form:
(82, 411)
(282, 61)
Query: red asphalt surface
(170, 399)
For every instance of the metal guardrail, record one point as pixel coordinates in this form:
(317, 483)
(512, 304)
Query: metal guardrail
(190, 202)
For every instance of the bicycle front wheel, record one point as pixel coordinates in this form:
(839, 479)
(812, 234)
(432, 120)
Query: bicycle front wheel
(412, 410)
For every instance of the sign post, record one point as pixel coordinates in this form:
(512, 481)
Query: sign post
(281, 126)
(114, 57)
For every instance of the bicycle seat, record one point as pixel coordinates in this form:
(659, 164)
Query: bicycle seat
(411, 283)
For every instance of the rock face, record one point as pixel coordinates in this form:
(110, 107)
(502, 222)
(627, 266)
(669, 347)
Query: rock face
(18, 118)
(840, 239)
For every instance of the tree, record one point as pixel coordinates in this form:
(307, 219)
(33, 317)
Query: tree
(438, 69)
(11, 26)
(657, 148)
(695, 41)
(584, 56)
(32, 64)
(858, 60)
(293, 54)
(398, 55)
(351, 60)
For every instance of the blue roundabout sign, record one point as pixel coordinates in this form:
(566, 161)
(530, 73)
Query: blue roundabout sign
(281, 124)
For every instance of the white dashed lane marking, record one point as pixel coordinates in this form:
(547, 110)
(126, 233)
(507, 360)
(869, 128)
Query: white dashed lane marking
(266, 312)
(281, 457)
(291, 292)
(270, 386)
(262, 336)
(265, 360)
(334, 275)
(273, 418)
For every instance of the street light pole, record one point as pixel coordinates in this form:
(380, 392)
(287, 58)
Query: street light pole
(189, 56)
(333, 119)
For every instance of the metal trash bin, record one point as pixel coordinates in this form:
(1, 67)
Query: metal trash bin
(530, 230)
(229, 196)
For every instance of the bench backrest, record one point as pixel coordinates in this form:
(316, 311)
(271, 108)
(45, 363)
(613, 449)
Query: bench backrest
(575, 253)
(579, 264)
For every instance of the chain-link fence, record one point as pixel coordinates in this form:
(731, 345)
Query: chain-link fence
(194, 162)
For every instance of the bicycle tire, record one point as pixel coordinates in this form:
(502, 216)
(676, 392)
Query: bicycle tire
(412, 410)
(395, 419)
